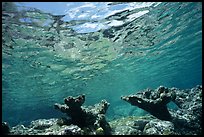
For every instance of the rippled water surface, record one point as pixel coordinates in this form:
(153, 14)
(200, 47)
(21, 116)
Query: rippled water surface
(104, 50)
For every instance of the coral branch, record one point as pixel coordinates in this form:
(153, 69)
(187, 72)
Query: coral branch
(153, 102)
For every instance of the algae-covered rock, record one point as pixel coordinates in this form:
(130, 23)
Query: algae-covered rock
(140, 124)
(99, 131)
(126, 130)
(159, 127)
(186, 119)
(90, 120)
(92, 117)
(132, 125)
(71, 130)
(43, 123)
(21, 130)
(153, 101)
(46, 127)
(63, 121)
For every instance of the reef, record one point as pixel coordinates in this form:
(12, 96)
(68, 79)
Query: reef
(187, 119)
(91, 117)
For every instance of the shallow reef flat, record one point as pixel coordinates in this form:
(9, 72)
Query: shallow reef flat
(91, 120)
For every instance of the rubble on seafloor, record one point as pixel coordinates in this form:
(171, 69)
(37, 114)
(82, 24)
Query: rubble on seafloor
(46, 127)
(186, 120)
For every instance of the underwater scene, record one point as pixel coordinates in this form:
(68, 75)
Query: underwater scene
(102, 68)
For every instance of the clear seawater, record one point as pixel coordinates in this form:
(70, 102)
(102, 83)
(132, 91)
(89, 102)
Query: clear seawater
(103, 50)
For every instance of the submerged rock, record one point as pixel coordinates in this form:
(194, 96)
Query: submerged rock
(132, 125)
(152, 101)
(126, 130)
(21, 130)
(71, 130)
(92, 117)
(99, 131)
(140, 124)
(46, 127)
(43, 123)
(159, 127)
(187, 119)
(63, 121)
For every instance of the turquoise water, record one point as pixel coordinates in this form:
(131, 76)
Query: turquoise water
(103, 50)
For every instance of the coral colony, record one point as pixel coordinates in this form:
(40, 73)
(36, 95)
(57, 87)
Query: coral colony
(90, 120)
